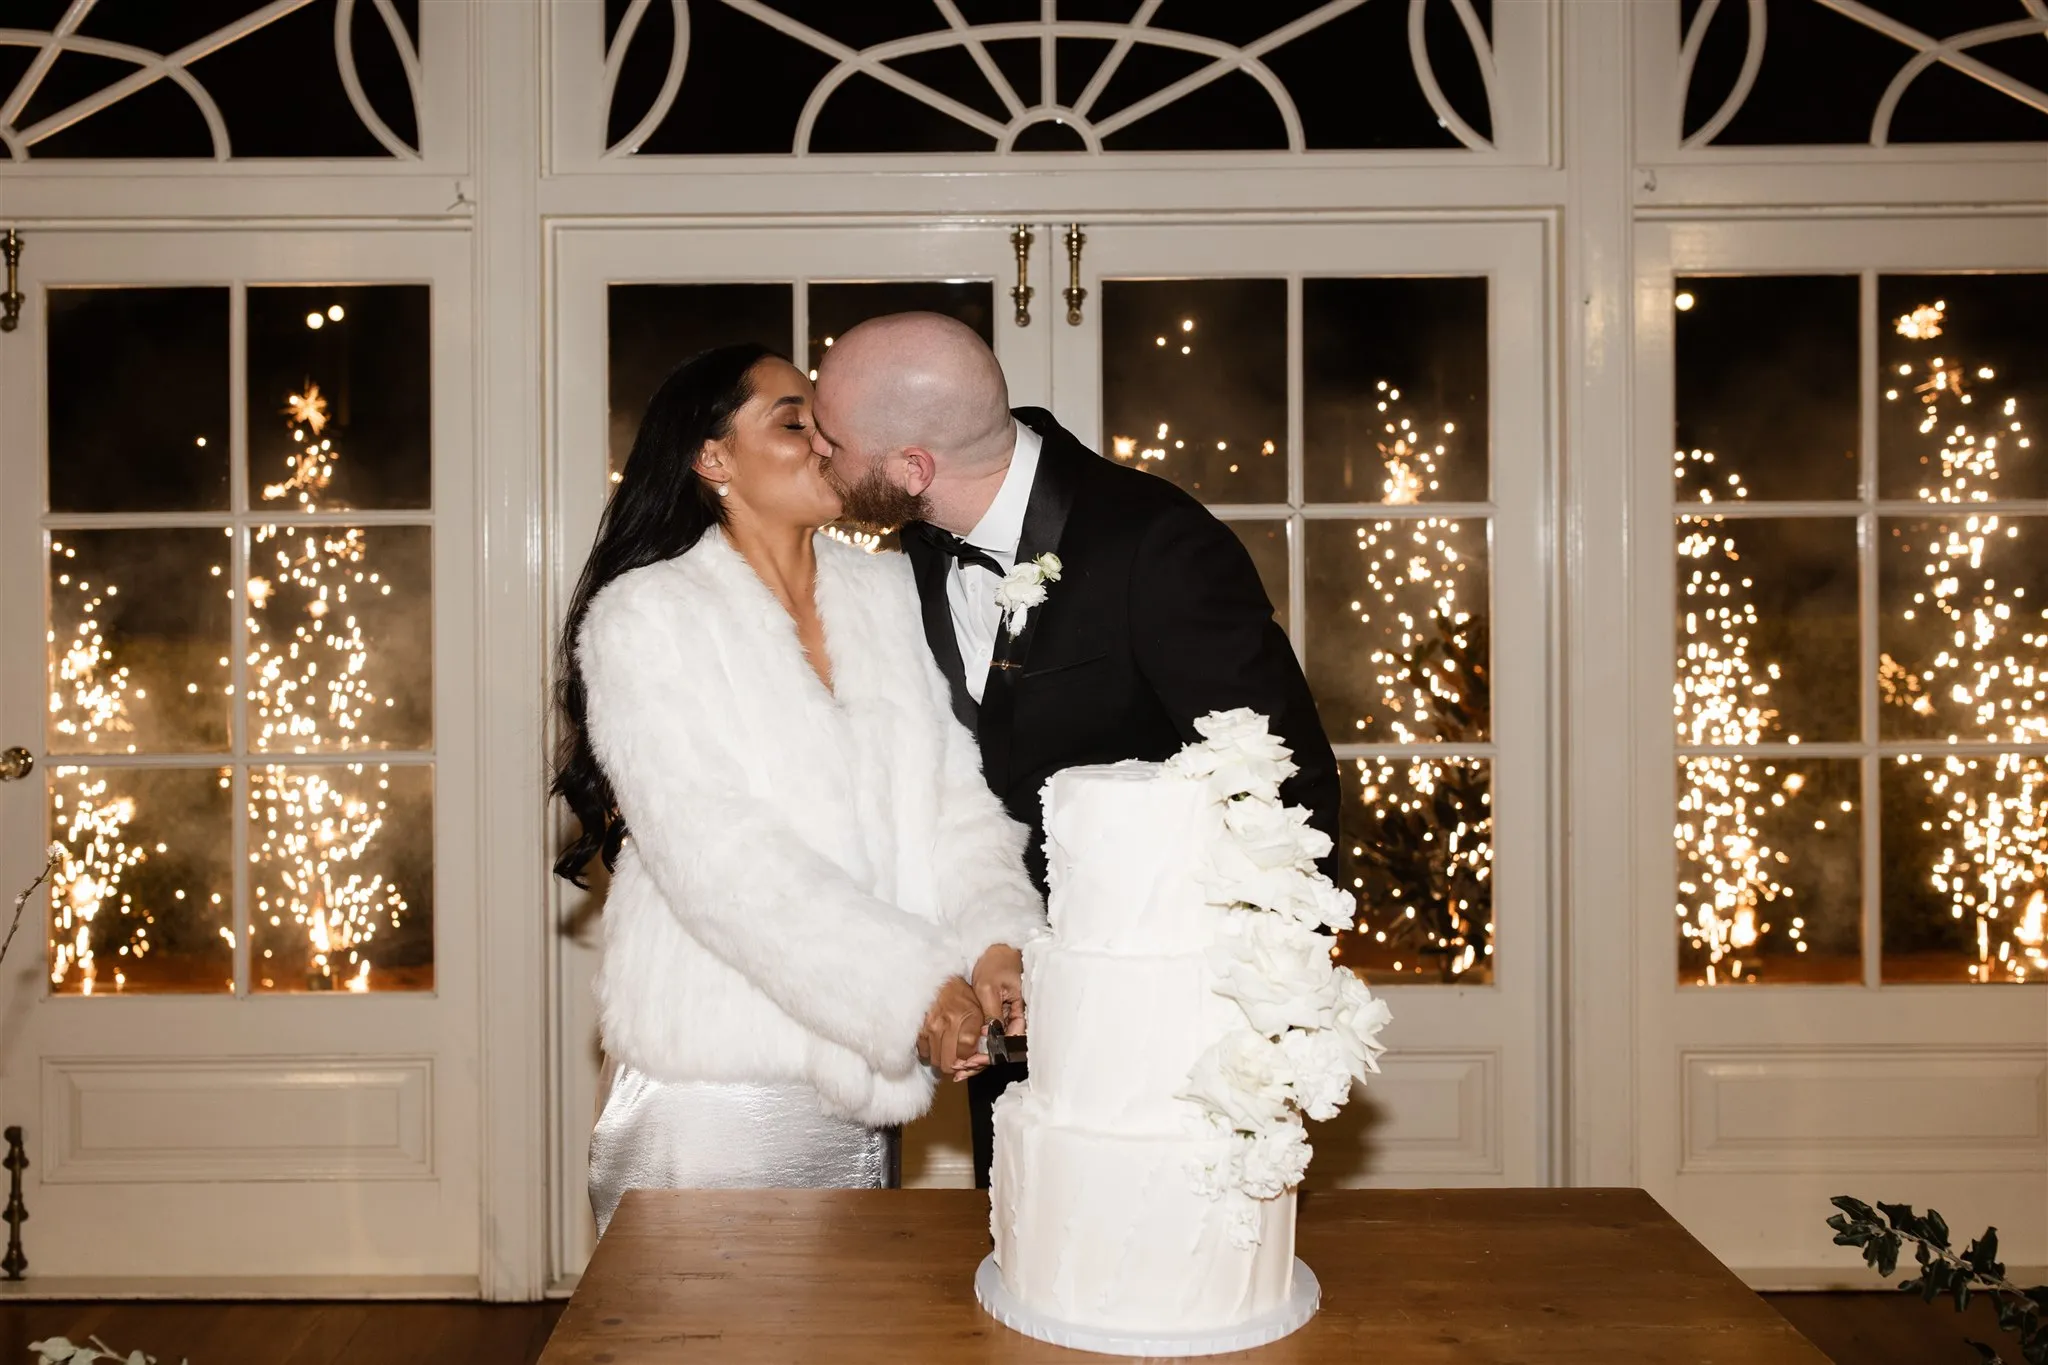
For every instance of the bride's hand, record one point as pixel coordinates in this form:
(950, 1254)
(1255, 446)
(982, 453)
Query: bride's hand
(999, 984)
(950, 1042)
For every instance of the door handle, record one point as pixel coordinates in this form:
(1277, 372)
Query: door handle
(1021, 295)
(1074, 293)
(15, 764)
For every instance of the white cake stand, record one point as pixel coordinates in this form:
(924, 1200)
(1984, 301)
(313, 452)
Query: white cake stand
(1003, 1306)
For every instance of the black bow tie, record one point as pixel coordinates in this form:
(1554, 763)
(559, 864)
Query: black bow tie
(947, 543)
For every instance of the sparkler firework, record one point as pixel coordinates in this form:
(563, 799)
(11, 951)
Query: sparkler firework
(1984, 678)
(309, 692)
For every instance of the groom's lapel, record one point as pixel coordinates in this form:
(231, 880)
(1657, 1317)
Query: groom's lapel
(1045, 518)
(931, 568)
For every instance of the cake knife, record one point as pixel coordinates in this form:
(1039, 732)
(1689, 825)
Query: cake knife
(1001, 1046)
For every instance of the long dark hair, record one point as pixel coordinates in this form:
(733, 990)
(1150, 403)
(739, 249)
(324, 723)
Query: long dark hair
(659, 510)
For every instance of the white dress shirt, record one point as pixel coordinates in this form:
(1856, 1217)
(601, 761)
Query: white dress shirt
(971, 590)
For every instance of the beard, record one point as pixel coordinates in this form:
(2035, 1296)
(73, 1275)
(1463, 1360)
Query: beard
(873, 502)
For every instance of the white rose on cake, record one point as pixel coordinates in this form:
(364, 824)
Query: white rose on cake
(1238, 756)
(1243, 1081)
(1267, 834)
(1303, 898)
(1279, 973)
(1322, 1066)
(1357, 1021)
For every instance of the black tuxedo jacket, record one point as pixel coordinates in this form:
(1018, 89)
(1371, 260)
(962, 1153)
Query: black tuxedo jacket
(1158, 618)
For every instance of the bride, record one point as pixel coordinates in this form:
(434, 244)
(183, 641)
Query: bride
(815, 901)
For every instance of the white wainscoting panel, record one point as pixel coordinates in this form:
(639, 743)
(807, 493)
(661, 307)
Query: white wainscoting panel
(192, 1120)
(1877, 1109)
(1434, 1113)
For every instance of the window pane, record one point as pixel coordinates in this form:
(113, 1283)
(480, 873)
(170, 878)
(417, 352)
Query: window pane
(1769, 870)
(1768, 387)
(1964, 628)
(1194, 383)
(1398, 626)
(340, 638)
(835, 308)
(1344, 76)
(341, 878)
(141, 902)
(138, 641)
(1415, 846)
(340, 381)
(1267, 543)
(1394, 390)
(138, 387)
(655, 327)
(1767, 630)
(234, 73)
(1964, 370)
(1965, 867)
(1825, 71)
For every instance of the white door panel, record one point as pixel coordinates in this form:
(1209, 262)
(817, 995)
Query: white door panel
(248, 1049)
(1827, 1020)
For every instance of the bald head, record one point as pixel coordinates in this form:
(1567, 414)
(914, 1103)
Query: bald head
(916, 380)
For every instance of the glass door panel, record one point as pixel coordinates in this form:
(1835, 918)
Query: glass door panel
(652, 328)
(1197, 374)
(240, 582)
(1859, 575)
(1194, 384)
(1364, 406)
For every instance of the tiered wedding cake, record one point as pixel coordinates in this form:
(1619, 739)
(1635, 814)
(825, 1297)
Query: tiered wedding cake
(1184, 1016)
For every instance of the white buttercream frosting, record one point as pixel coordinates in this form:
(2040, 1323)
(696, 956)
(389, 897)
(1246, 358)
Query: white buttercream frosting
(1108, 1231)
(1125, 853)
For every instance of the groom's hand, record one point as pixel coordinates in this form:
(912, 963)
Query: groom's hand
(999, 984)
(950, 1042)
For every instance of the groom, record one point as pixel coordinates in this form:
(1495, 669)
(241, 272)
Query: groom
(1157, 615)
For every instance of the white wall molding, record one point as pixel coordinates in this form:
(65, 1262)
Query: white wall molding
(1596, 976)
(191, 1120)
(512, 648)
(1195, 184)
(1864, 1109)
(1432, 1116)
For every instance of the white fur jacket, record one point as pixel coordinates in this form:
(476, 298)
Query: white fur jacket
(803, 867)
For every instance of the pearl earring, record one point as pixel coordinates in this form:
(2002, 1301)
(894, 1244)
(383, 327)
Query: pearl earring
(723, 489)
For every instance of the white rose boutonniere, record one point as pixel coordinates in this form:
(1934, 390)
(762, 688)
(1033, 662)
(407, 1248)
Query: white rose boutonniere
(1023, 588)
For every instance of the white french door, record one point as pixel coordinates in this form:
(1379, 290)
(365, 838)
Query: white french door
(238, 1026)
(1840, 596)
(631, 303)
(1364, 403)
(1265, 347)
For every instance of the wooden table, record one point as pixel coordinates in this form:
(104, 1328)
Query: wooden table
(827, 1276)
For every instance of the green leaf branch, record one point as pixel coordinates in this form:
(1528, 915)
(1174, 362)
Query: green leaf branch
(1884, 1233)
